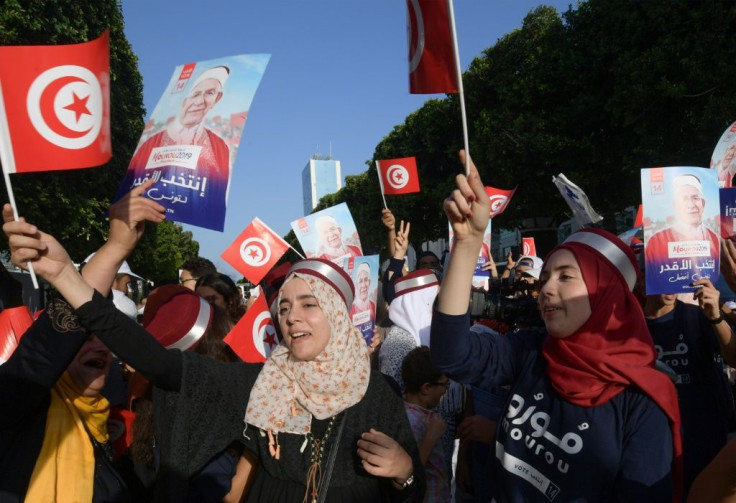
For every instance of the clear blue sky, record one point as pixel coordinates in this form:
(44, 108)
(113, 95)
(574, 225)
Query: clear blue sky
(337, 76)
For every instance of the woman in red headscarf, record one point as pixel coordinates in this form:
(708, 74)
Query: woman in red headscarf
(588, 418)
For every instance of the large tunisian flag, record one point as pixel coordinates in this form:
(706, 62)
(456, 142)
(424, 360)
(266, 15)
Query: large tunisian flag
(55, 106)
(431, 51)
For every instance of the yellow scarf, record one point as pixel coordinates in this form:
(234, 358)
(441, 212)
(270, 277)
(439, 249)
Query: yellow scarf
(65, 467)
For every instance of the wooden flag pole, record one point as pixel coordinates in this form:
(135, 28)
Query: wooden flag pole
(380, 182)
(460, 92)
(8, 164)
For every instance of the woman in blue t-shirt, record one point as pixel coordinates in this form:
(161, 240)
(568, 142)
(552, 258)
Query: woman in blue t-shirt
(588, 417)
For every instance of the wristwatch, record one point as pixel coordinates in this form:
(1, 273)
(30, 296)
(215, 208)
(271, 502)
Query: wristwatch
(717, 320)
(406, 483)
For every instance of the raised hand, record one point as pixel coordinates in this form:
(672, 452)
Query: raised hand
(388, 219)
(707, 297)
(28, 244)
(128, 214)
(468, 207)
(401, 242)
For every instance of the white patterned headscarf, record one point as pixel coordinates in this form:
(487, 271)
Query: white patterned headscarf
(288, 392)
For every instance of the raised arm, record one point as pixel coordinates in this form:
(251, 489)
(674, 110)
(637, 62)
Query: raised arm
(467, 209)
(127, 221)
(389, 221)
(119, 333)
(396, 264)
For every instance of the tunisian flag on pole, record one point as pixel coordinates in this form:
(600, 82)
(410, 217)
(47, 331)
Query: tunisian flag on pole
(432, 66)
(398, 176)
(528, 247)
(500, 198)
(255, 251)
(55, 106)
(254, 336)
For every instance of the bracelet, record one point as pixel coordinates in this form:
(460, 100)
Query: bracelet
(717, 320)
(406, 483)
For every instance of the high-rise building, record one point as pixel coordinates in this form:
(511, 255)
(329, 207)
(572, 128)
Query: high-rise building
(319, 178)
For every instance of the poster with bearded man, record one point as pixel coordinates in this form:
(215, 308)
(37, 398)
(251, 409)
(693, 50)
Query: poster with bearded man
(364, 272)
(189, 143)
(329, 234)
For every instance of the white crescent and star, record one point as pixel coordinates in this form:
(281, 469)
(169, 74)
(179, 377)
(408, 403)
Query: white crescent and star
(264, 334)
(255, 252)
(416, 46)
(397, 176)
(497, 203)
(65, 106)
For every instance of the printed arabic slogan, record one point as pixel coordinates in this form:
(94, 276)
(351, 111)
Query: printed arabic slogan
(189, 144)
(681, 227)
(364, 273)
(329, 234)
(728, 212)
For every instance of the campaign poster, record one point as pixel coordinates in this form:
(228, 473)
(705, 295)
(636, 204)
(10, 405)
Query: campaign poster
(728, 212)
(364, 272)
(189, 144)
(681, 227)
(723, 159)
(480, 277)
(329, 234)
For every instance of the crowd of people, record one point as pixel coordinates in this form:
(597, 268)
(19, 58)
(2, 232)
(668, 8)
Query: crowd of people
(616, 395)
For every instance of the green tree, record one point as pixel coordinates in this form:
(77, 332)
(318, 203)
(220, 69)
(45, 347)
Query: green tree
(162, 251)
(72, 204)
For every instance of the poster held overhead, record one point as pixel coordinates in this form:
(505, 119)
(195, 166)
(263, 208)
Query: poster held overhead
(723, 159)
(364, 273)
(190, 142)
(329, 234)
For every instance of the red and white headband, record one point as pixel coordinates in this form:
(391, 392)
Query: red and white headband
(421, 278)
(330, 273)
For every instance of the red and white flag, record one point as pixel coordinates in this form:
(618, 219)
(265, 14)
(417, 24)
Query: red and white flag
(254, 336)
(500, 198)
(398, 176)
(528, 248)
(14, 321)
(255, 251)
(638, 220)
(55, 106)
(432, 66)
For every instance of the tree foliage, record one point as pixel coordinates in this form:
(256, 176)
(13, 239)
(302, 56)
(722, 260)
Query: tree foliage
(596, 93)
(72, 204)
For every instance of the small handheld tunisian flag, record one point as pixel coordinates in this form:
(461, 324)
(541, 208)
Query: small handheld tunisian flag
(255, 251)
(500, 198)
(254, 336)
(398, 176)
(528, 247)
(431, 51)
(55, 106)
